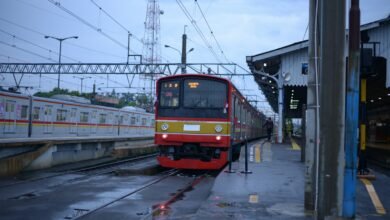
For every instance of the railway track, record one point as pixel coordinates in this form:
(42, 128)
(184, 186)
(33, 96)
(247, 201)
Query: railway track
(161, 207)
(99, 169)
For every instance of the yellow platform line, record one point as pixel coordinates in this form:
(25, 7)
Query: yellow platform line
(294, 145)
(257, 154)
(374, 197)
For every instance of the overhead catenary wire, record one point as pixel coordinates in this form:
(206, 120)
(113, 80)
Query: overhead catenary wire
(10, 57)
(36, 45)
(197, 29)
(100, 31)
(211, 31)
(116, 21)
(25, 50)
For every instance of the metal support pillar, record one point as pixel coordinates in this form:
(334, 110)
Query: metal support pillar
(332, 108)
(363, 170)
(184, 53)
(232, 137)
(246, 171)
(311, 137)
(352, 111)
(280, 108)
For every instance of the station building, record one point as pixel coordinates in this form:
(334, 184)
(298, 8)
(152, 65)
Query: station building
(292, 60)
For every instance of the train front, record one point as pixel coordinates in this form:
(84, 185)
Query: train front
(192, 121)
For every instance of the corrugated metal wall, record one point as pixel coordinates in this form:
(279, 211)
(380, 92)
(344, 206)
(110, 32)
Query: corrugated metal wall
(292, 63)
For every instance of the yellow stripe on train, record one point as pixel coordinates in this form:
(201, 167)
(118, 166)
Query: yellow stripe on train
(192, 127)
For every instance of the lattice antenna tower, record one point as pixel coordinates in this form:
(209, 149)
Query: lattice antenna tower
(151, 40)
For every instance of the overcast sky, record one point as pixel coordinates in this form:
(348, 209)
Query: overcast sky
(242, 28)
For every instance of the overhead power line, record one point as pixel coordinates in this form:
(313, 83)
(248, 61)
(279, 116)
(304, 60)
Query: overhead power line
(197, 29)
(211, 31)
(21, 26)
(100, 31)
(9, 57)
(66, 42)
(116, 21)
(36, 45)
(27, 51)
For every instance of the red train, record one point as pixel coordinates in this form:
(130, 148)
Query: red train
(197, 119)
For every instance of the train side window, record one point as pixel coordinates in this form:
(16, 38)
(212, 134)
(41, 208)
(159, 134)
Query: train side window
(84, 117)
(102, 118)
(110, 118)
(132, 122)
(10, 106)
(61, 114)
(35, 113)
(143, 121)
(152, 122)
(93, 116)
(23, 113)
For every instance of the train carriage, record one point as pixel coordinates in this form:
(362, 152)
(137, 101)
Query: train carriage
(198, 117)
(23, 116)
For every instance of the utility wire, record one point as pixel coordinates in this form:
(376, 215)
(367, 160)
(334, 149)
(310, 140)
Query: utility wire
(100, 31)
(23, 27)
(65, 42)
(9, 57)
(27, 51)
(92, 50)
(197, 29)
(34, 44)
(117, 22)
(211, 31)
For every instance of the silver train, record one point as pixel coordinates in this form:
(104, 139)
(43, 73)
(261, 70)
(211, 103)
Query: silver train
(23, 116)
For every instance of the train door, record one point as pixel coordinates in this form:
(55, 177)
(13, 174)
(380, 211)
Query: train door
(10, 117)
(117, 124)
(94, 122)
(48, 118)
(73, 120)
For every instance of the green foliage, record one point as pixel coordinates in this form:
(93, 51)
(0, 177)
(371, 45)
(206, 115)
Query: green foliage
(127, 99)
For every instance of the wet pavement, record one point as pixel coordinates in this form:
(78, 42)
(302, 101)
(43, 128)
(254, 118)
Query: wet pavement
(275, 188)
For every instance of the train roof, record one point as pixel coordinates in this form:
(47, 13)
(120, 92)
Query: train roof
(211, 77)
(195, 75)
(77, 104)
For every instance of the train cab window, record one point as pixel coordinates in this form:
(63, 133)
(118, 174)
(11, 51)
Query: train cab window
(169, 94)
(61, 114)
(102, 118)
(84, 117)
(200, 93)
(35, 113)
(23, 113)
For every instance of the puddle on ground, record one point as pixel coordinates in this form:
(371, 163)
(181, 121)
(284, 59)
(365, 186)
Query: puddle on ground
(25, 196)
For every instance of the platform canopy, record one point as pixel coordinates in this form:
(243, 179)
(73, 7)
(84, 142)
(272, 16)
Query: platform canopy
(291, 60)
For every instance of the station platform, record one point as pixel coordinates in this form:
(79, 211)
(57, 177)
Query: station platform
(275, 188)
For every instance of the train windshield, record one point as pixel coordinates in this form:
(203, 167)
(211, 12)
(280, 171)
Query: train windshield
(204, 94)
(169, 94)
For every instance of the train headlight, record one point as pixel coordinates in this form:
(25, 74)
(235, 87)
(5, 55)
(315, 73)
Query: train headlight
(164, 127)
(164, 136)
(218, 128)
(218, 138)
